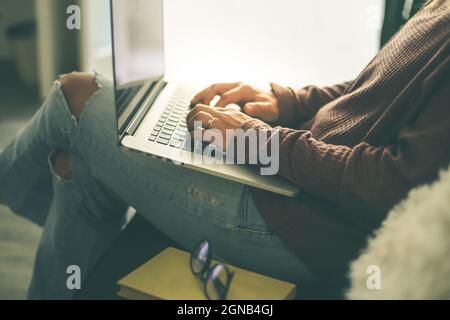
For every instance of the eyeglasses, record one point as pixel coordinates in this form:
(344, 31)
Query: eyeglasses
(216, 279)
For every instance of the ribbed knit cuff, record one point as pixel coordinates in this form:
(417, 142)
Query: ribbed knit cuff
(314, 166)
(255, 124)
(286, 103)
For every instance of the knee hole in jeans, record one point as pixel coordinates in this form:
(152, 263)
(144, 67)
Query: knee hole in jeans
(61, 163)
(78, 88)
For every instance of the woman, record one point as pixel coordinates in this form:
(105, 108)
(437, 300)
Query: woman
(355, 150)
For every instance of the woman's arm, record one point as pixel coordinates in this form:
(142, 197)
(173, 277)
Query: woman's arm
(302, 105)
(368, 180)
(364, 180)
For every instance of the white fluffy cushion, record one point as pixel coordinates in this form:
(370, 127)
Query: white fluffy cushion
(412, 249)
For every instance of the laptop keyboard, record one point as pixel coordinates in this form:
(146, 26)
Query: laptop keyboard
(125, 96)
(171, 128)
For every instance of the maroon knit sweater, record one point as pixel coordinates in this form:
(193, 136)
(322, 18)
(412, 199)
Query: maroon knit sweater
(356, 149)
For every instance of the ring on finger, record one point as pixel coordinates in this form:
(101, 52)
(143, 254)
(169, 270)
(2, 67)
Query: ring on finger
(211, 122)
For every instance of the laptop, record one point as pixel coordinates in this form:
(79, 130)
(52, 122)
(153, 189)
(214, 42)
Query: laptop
(151, 110)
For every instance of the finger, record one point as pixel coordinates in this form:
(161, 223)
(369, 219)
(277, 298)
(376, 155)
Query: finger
(215, 128)
(199, 119)
(202, 108)
(238, 95)
(203, 114)
(261, 110)
(208, 94)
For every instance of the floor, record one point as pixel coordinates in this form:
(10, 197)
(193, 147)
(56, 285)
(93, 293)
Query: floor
(18, 237)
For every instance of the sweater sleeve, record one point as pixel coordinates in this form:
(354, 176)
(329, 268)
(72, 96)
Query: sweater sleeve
(367, 180)
(302, 105)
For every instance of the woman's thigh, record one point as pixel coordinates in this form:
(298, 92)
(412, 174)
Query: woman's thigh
(186, 205)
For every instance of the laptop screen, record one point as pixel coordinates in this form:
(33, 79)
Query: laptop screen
(138, 40)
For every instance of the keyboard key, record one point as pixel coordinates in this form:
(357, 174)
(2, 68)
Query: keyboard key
(179, 136)
(165, 136)
(153, 137)
(167, 131)
(176, 143)
(170, 126)
(163, 141)
(172, 122)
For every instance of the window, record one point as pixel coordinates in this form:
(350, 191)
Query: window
(293, 42)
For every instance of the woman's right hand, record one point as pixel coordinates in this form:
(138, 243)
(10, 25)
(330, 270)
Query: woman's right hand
(254, 102)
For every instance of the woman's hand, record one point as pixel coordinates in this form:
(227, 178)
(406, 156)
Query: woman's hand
(255, 103)
(221, 119)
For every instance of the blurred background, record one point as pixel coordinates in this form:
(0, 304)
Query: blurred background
(291, 42)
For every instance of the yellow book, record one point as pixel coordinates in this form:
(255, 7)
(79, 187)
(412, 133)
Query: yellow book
(168, 277)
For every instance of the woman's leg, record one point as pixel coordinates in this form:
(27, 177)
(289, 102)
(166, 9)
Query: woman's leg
(25, 179)
(83, 220)
(25, 176)
(80, 223)
(187, 206)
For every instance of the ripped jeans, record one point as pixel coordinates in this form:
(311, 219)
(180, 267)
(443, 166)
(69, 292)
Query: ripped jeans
(82, 216)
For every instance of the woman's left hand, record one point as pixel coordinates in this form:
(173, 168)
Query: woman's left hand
(221, 119)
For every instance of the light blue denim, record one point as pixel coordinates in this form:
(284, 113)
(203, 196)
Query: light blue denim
(83, 216)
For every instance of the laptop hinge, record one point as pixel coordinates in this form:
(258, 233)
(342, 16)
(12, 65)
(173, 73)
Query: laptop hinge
(144, 108)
